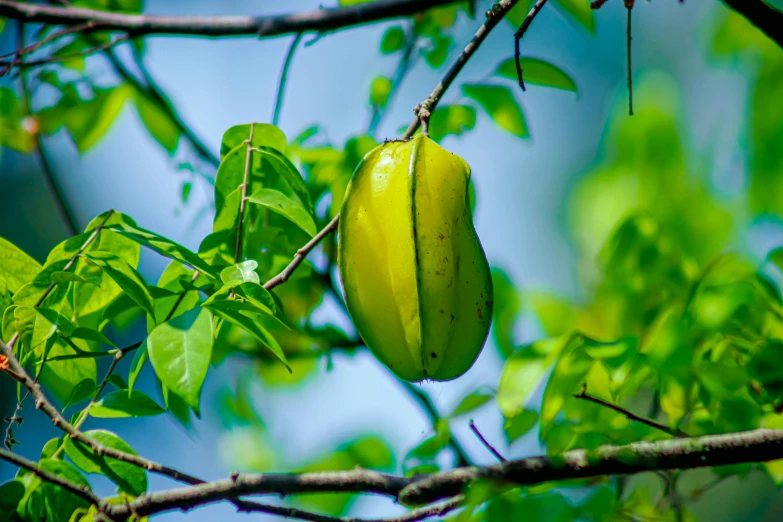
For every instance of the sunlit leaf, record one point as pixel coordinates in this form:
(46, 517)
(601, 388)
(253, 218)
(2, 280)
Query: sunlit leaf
(500, 105)
(122, 403)
(180, 351)
(129, 477)
(537, 72)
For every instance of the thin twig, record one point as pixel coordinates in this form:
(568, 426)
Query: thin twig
(152, 89)
(496, 15)
(58, 194)
(301, 254)
(486, 443)
(583, 395)
(318, 20)
(403, 67)
(281, 83)
(55, 59)
(520, 33)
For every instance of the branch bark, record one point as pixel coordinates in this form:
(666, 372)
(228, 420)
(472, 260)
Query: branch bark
(320, 20)
(714, 450)
(768, 19)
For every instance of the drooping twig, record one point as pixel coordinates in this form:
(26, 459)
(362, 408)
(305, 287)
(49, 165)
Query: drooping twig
(498, 11)
(151, 88)
(486, 443)
(583, 395)
(58, 194)
(520, 33)
(403, 67)
(319, 20)
(281, 83)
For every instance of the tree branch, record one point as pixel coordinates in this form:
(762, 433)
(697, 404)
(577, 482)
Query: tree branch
(768, 19)
(494, 16)
(319, 20)
(83, 492)
(714, 450)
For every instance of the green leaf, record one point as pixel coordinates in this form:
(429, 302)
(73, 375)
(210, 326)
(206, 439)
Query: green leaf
(127, 278)
(139, 358)
(580, 11)
(163, 246)
(240, 273)
(10, 494)
(16, 267)
(59, 503)
(231, 311)
(120, 404)
(130, 478)
(393, 40)
(66, 277)
(88, 334)
(264, 135)
(281, 204)
(473, 401)
(439, 50)
(451, 119)
(157, 121)
(380, 88)
(431, 446)
(537, 72)
(506, 310)
(500, 105)
(80, 392)
(35, 325)
(180, 351)
(89, 121)
(517, 426)
(523, 372)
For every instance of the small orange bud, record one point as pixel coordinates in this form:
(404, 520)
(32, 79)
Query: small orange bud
(3, 363)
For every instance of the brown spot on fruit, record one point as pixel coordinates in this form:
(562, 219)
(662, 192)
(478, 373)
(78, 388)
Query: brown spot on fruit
(434, 355)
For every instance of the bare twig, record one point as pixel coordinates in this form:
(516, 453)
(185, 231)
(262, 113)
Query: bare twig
(632, 416)
(498, 11)
(486, 443)
(301, 254)
(289, 56)
(319, 20)
(61, 202)
(403, 67)
(520, 33)
(54, 59)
